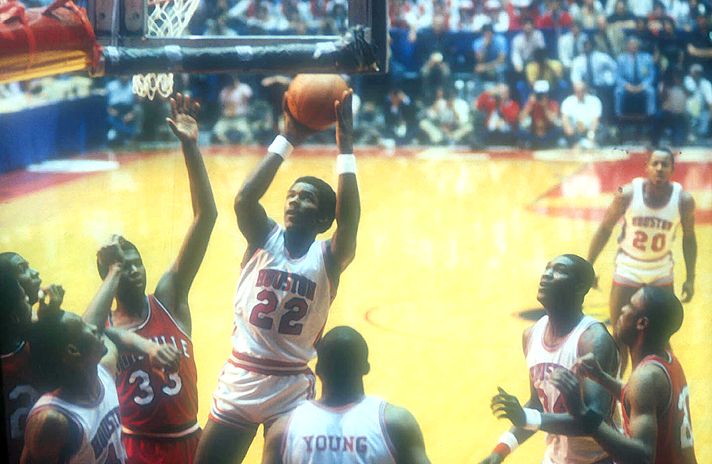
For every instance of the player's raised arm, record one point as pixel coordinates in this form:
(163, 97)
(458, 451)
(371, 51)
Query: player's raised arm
(252, 219)
(111, 258)
(172, 290)
(405, 434)
(689, 244)
(615, 211)
(348, 203)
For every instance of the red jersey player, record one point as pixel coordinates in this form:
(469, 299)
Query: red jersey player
(159, 412)
(656, 400)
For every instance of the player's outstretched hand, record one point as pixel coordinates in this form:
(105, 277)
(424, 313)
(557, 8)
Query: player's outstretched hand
(164, 358)
(345, 122)
(570, 388)
(493, 458)
(50, 298)
(588, 366)
(183, 122)
(294, 131)
(111, 254)
(506, 406)
(688, 290)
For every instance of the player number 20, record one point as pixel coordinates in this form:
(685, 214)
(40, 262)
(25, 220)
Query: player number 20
(296, 308)
(640, 241)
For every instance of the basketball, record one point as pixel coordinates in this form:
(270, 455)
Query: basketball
(310, 99)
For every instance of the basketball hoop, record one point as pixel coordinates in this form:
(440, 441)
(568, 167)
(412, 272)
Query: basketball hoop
(166, 18)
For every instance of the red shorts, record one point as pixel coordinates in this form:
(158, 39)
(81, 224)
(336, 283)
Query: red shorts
(145, 450)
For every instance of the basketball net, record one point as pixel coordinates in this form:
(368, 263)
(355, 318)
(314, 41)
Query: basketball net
(167, 18)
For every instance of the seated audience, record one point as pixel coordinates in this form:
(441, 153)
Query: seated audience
(580, 117)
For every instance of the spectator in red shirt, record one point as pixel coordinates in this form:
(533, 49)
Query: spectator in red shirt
(497, 118)
(540, 120)
(554, 17)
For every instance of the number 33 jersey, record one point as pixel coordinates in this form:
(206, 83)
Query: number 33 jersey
(281, 304)
(648, 233)
(153, 403)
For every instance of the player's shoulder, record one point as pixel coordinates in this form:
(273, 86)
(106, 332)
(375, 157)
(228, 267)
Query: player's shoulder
(399, 421)
(687, 201)
(649, 383)
(596, 337)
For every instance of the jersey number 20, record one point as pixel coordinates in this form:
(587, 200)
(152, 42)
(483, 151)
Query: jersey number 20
(296, 308)
(641, 239)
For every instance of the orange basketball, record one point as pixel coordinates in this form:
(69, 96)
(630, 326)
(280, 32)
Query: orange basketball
(310, 98)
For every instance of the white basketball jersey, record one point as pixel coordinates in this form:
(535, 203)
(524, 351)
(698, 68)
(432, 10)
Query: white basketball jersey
(351, 434)
(99, 423)
(648, 233)
(281, 304)
(542, 360)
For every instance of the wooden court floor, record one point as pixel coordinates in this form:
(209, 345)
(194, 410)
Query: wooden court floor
(451, 247)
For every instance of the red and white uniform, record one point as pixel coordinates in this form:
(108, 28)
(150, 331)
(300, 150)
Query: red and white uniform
(542, 360)
(154, 408)
(99, 423)
(645, 245)
(19, 396)
(281, 306)
(675, 442)
(351, 434)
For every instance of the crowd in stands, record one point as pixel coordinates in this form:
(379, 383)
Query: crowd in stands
(527, 73)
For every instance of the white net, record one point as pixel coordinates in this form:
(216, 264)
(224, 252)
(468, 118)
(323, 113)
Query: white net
(167, 18)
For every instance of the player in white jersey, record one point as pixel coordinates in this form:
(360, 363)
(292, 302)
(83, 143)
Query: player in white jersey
(652, 209)
(344, 426)
(556, 341)
(287, 284)
(78, 421)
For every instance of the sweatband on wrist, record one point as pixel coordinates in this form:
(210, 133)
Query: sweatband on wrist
(533, 419)
(345, 164)
(507, 443)
(281, 146)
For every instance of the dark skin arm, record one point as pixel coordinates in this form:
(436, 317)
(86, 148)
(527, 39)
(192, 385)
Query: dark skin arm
(596, 340)
(342, 245)
(252, 218)
(647, 390)
(273, 442)
(533, 403)
(48, 437)
(405, 434)
(615, 211)
(588, 366)
(689, 244)
(172, 290)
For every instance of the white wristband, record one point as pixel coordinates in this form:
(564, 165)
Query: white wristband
(345, 164)
(508, 438)
(533, 418)
(281, 146)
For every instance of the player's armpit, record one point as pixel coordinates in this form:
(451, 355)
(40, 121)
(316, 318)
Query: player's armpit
(406, 436)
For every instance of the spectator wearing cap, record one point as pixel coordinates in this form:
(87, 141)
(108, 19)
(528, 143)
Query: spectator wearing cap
(543, 68)
(524, 44)
(492, 14)
(699, 101)
(497, 117)
(580, 117)
(490, 55)
(570, 45)
(598, 71)
(636, 77)
(539, 120)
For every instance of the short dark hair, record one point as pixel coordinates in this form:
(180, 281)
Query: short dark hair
(664, 311)
(667, 150)
(6, 261)
(583, 271)
(125, 246)
(487, 28)
(47, 342)
(341, 355)
(326, 196)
